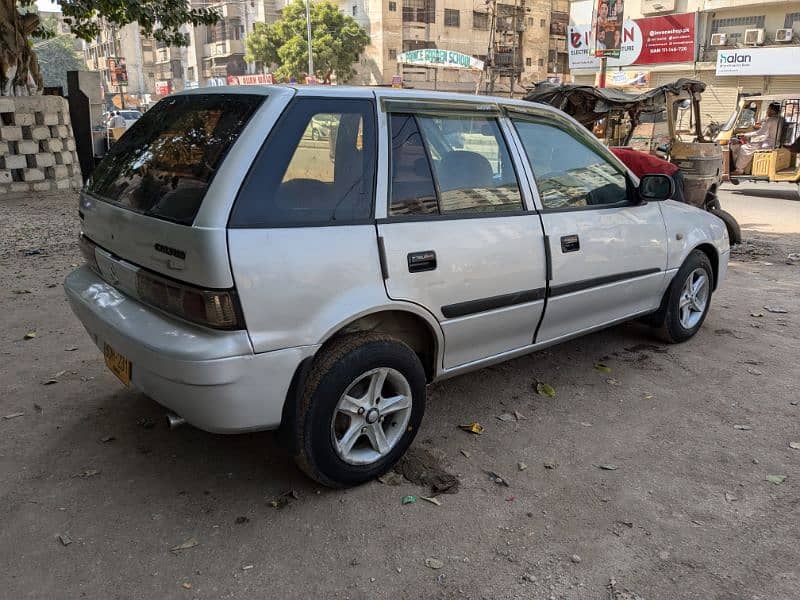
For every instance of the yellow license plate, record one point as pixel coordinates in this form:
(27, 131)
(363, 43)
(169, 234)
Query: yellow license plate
(118, 364)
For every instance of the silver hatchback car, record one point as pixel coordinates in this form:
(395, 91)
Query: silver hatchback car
(248, 274)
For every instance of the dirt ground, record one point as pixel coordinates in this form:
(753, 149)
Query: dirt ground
(95, 490)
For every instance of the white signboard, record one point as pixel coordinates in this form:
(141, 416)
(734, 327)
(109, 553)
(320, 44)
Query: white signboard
(432, 57)
(759, 61)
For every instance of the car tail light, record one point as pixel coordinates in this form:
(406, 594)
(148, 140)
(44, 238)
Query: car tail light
(213, 308)
(87, 249)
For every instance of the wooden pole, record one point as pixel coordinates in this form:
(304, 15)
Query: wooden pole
(603, 65)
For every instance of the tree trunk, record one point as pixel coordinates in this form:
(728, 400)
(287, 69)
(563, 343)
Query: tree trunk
(19, 68)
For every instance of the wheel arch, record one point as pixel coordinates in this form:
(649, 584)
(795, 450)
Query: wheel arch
(711, 252)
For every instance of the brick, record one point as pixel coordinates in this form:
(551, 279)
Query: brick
(5, 177)
(19, 186)
(10, 133)
(7, 105)
(14, 161)
(39, 133)
(33, 175)
(53, 145)
(27, 147)
(44, 159)
(22, 118)
(71, 143)
(66, 157)
(42, 186)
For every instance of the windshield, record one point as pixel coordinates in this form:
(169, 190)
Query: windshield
(165, 162)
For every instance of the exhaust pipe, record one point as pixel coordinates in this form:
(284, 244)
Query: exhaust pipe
(174, 420)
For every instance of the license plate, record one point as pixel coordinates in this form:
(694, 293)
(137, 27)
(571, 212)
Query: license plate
(118, 364)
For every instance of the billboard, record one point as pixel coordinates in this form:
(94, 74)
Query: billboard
(607, 28)
(759, 61)
(117, 71)
(649, 41)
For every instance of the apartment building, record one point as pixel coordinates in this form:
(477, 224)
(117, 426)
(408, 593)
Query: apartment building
(528, 40)
(736, 46)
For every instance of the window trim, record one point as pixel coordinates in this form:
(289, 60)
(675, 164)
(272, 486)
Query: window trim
(285, 115)
(581, 137)
(440, 216)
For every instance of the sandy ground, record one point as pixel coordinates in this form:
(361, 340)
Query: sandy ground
(688, 513)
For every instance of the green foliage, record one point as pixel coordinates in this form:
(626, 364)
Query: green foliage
(56, 56)
(336, 42)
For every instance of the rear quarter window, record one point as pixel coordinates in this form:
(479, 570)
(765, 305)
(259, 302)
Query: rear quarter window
(165, 162)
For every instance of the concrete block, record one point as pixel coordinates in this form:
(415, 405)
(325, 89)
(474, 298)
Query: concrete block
(5, 177)
(66, 156)
(53, 145)
(10, 133)
(33, 175)
(39, 133)
(63, 184)
(65, 118)
(51, 118)
(71, 142)
(42, 186)
(14, 161)
(27, 147)
(57, 172)
(3, 148)
(19, 186)
(7, 105)
(22, 118)
(64, 131)
(44, 159)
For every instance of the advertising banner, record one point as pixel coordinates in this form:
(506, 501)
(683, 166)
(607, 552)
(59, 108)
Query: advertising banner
(607, 28)
(759, 61)
(163, 88)
(431, 57)
(256, 79)
(117, 71)
(649, 41)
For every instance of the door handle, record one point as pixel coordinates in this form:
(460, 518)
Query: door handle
(570, 243)
(421, 261)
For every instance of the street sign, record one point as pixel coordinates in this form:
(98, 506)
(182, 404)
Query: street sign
(448, 59)
(397, 81)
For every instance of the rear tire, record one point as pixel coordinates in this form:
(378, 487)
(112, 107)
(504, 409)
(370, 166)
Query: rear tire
(687, 300)
(731, 224)
(360, 409)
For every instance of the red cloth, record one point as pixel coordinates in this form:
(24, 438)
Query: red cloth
(642, 163)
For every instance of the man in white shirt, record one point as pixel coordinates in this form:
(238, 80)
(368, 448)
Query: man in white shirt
(764, 138)
(116, 121)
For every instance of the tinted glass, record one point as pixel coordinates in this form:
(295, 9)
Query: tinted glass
(165, 162)
(568, 173)
(471, 164)
(318, 166)
(413, 192)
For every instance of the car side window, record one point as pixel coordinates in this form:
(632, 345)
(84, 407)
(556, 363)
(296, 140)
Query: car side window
(317, 167)
(568, 173)
(450, 165)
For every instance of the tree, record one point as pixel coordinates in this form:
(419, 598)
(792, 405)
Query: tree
(336, 42)
(56, 56)
(19, 69)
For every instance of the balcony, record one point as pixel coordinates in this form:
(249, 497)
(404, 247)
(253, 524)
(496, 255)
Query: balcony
(223, 48)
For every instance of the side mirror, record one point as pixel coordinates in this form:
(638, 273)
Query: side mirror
(656, 187)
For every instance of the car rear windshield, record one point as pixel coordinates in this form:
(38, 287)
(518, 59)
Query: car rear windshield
(165, 162)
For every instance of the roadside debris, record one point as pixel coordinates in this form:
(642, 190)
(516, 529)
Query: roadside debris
(145, 423)
(189, 543)
(607, 467)
(473, 427)
(70, 349)
(432, 500)
(776, 309)
(602, 368)
(64, 539)
(88, 473)
(13, 416)
(507, 417)
(742, 427)
(241, 520)
(29, 336)
(186, 585)
(756, 314)
(545, 389)
(38, 408)
(421, 467)
(730, 497)
(776, 479)
(793, 258)
(465, 453)
(498, 479)
(54, 378)
(279, 502)
(409, 500)
(20, 292)
(433, 563)
(575, 558)
(391, 478)
(246, 567)
(585, 424)
(107, 438)
(550, 464)
(612, 381)
(794, 445)
(521, 466)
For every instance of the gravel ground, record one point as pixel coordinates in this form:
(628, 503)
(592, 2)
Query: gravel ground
(95, 491)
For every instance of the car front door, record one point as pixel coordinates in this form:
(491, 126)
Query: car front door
(608, 251)
(459, 237)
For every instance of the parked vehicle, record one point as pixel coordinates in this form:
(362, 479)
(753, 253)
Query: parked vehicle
(130, 116)
(778, 161)
(247, 278)
(664, 121)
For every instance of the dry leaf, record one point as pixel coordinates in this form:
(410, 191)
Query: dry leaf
(473, 427)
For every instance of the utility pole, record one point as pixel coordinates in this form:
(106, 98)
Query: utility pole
(514, 46)
(602, 79)
(490, 54)
(116, 66)
(308, 34)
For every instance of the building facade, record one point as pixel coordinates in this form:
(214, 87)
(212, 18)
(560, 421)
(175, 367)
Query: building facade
(740, 46)
(526, 40)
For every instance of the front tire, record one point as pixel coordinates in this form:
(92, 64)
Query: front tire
(688, 299)
(731, 224)
(360, 409)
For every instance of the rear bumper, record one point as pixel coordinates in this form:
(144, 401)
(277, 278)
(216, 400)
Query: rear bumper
(211, 378)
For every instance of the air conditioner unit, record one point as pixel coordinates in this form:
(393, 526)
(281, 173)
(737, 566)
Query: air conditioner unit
(753, 37)
(719, 39)
(784, 35)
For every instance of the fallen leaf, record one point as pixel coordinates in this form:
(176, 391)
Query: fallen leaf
(648, 397)
(521, 466)
(550, 464)
(186, 585)
(465, 453)
(435, 501)
(776, 479)
(730, 497)
(742, 427)
(409, 500)
(776, 309)
(519, 416)
(545, 389)
(433, 563)
(602, 368)
(607, 467)
(391, 478)
(473, 427)
(64, 539)
(794, 445)
(13, 415)
(189, 543)
(612, 381)
(506, 417)
(498, 479)
(29, 336)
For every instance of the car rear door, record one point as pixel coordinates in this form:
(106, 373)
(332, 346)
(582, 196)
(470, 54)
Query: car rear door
(608, 251)
(459, 237)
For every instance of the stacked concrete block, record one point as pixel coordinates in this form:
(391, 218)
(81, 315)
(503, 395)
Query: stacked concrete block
(37, 149)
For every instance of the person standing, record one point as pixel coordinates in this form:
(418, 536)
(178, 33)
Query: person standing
(116, 121)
